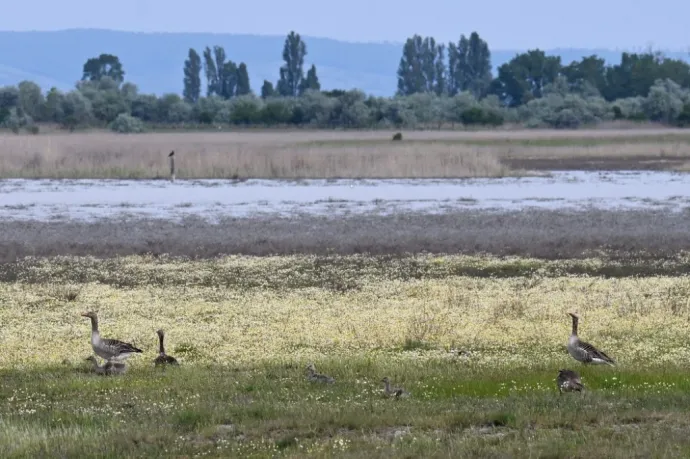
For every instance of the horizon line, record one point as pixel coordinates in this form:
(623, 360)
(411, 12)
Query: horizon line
(369, 42)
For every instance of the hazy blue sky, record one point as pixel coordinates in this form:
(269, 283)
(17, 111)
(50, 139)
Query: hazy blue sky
(631, 24)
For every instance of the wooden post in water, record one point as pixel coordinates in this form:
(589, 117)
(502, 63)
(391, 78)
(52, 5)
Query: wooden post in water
(172, 165)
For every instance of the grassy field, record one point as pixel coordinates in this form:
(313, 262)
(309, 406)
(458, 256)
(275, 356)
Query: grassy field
(334, 154)
(477, 341)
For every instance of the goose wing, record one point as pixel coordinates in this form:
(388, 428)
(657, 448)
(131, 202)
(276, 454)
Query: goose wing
(595, 353)
(118, 347)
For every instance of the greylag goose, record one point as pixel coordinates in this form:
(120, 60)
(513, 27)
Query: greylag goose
(109, 368)
(108, 349)
(313, 376)
(569, 381)
(389, 391)
(583, 351)
(163, 358)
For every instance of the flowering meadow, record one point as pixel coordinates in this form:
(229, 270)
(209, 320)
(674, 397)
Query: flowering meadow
(477, 341)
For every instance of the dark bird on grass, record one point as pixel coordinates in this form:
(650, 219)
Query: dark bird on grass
(163, 358)
(108, 349)
(583, 351)
(569, 381)
(107, 369)
(313, 376)
(172, 153)
(390, 391)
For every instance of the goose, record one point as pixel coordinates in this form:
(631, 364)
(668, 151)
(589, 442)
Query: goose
(109, 368)
(389, 391)
(313, 376)
(163, 358)
(583, 351)
(569, 381)
(108, 349)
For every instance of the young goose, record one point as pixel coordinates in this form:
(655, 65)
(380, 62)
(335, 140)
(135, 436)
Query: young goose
(569, 381)
(389, 391)
(313, 376)
(163, 358)
(583, 351)
(109, 368)
(108, 349)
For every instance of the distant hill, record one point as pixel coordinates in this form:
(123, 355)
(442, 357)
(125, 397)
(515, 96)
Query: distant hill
(154, 60)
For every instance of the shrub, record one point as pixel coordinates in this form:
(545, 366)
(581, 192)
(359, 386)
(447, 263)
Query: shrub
(127, 124)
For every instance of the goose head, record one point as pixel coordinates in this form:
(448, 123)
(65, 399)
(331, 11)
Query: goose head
(574, 314)
(89, 314)
(160, 332)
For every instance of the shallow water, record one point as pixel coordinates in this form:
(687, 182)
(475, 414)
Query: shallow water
(92, 199)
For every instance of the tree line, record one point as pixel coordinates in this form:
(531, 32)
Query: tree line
(438, 85)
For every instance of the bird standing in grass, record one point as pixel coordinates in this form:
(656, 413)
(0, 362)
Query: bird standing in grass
(313, 376)
(107, 369)
(583, 351)
(108, 349)
(389, 391)
(163, 358)
(569, 381)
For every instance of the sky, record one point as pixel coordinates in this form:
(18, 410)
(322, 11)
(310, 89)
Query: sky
(504, 24)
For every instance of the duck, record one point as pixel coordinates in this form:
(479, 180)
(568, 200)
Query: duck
(109, 368)
(313, 376)
(163, 358)
(389, 391)
(569, 381)
(108, 349)
(583, 351)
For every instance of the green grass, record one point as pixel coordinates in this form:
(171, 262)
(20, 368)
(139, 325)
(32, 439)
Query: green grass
(538, 141)
(268, 410)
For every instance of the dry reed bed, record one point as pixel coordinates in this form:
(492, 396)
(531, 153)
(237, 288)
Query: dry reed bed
(314, 154)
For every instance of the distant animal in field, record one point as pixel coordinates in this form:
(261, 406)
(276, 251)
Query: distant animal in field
(107, 369)
(397, 136)
(569, 381)
(172, 153)
(583, 351)
(313, 376)
(389, 391)
(163, 358)
(108, 349)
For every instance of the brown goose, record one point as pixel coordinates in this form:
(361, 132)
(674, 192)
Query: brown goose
(108, 349)
(389, 391)
(569, 381)
(163, 358)
(109, 368)
(583, 351)
(313, 376)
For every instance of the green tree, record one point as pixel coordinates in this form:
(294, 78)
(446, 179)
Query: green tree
(469, 67)
(292, 72)
(243, 86)
(422, 67)
(311, 81)
(192, 77)
(267, 89)
(590, 69)
(211, 72)
(31, 99)
(525, 76)
(108, 65)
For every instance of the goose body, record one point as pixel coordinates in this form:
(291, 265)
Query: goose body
(163, 358)
(583, 351)
(108, 349)
(313, 376)
(569, 381)
(109, 368)
(389, 391)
